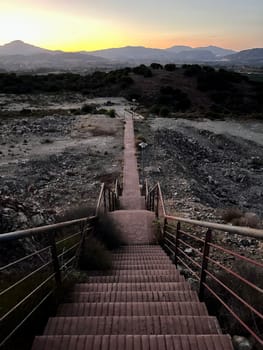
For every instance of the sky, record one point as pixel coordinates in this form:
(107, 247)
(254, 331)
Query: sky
(74, 25)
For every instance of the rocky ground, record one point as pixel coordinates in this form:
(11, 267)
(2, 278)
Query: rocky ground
(206, 169)
(54, 159)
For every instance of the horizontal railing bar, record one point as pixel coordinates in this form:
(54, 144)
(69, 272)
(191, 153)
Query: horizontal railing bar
(27, 317)
(42, 229)
(234, 314)
(68, 250)
(241, 257)
(235, 274)
(189, 258)
(168, 240)
(67, 238)
(188, 267)
(25, 278)
(27, 297)
(189, 246)
(243, 231)
(100, 199)
(161, 199)
(87, 229)
(170, 234)
(241, 300)
(170, 249)
(24, 258)
(192, 236)
(171, 227)
(67, 262)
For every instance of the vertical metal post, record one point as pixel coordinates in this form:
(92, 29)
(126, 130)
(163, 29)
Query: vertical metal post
(157, 205)
(153, 199)
(208, 237)
(164, 227)
(104, 201)
(109, 199)
(54, 256)
(177, 237)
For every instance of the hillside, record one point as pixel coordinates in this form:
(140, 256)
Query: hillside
(161, 90)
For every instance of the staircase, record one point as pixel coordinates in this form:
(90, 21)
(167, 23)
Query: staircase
(143, 303)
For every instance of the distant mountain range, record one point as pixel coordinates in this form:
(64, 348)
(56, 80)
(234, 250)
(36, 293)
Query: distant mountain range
(18, 55)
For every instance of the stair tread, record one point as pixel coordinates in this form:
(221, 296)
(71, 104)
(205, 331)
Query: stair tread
(103, 287)
(117, 296)
(135, 278)
(132, 325)
(132, 309)
(147, 272)
(133, 342)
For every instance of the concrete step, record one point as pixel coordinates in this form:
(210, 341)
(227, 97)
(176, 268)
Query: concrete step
(138, 247)
(133, 342)
(133, 309)
(143, 266)
(136, 287)
(172, 277)
(136, 226)
(155, 296)
(142, 272)
(132, 325)
(140, 257)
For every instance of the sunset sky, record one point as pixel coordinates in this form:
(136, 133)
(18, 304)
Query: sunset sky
(73, 25)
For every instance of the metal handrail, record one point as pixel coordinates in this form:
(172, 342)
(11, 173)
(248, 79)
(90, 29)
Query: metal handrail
(244, 231)
(54, 253)
(174, 237)
(108, 199)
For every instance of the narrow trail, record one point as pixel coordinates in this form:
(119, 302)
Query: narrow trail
(131, 196)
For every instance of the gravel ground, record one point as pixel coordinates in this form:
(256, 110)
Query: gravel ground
(205, 165)
(56, 161)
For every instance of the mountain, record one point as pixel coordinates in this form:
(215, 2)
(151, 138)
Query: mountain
(18, 55)
(18, 47)
(178, 48)
(251, 57)
(217, 51)
(135, 54)
(195, 55)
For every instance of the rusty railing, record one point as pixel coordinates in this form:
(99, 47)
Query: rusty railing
(108, 198)
(205, 250)
(36, 261)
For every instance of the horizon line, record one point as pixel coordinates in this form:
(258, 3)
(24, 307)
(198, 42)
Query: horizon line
(128, 45)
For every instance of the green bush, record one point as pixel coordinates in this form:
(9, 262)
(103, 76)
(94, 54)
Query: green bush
(170, 67)
(156, 66)
(112, 113)
(164, 112)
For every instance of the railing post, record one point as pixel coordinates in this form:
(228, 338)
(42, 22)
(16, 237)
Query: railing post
(54, 256)
(157, 204)
(177, 236)
(109, 199)
(208, 237)
(153, 199)
(164, 227)
(104, 201)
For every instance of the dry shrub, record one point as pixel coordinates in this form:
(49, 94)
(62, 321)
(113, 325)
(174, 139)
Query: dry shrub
(76, 212)
(96, 131)
(253, 274)
(107, 232)
(231, 213)
(94, 255)
(237, 218)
